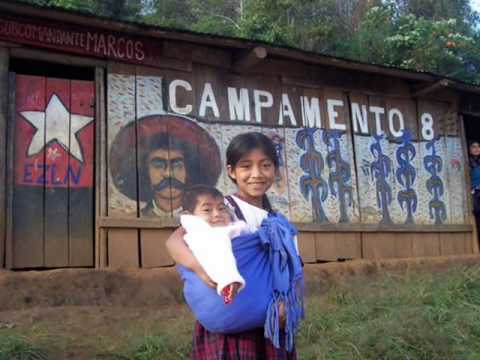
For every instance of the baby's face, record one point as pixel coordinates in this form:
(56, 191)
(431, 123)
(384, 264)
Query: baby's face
(212, 210)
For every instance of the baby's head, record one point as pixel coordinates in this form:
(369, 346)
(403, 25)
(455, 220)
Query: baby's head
(208, 203)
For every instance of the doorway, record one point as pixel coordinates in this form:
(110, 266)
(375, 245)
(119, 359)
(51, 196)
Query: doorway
(52, 195)
(472, 133)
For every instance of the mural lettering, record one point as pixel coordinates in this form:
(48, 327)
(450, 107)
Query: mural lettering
(79, 39)
(46, 174)
(249, 105)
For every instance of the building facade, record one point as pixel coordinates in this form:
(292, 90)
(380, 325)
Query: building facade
(105, 124)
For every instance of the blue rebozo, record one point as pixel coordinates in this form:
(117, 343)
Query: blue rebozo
(272, 269)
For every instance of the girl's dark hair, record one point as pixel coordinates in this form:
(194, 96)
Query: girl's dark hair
(244, 143)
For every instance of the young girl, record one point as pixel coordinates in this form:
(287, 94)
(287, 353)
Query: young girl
(252, 164)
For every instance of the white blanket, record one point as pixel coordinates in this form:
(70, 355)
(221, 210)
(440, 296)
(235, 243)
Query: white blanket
(212, 247)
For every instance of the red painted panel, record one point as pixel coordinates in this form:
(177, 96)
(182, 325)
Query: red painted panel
(81, 40)
(30, 101)
(49, 151)
(81, 201)
(28, 201)
(83, 100)
(54, 159)
(57, 150)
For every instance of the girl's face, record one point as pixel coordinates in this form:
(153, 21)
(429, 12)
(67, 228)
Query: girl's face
(254, 174)
(475, 149)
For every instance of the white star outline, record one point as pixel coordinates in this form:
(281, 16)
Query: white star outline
(55, 120)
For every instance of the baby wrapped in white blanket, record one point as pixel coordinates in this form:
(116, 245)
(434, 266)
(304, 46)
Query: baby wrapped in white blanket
(212, 246)
(209, 231)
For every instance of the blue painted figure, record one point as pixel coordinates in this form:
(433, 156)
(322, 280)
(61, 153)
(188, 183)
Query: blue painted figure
(381, 168)
(278, 142)
(406, 175)
(434, 164)
(312, 184)
(340, 173)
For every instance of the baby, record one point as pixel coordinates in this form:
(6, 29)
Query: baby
(210, 230)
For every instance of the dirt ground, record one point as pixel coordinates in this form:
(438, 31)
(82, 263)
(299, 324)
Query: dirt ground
(116, 304)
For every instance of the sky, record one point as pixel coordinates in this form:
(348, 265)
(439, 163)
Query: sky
(475, 4)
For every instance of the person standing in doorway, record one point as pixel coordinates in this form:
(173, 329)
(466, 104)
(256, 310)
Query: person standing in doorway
(474, 162)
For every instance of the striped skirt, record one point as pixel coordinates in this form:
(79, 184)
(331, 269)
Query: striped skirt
(248, 345)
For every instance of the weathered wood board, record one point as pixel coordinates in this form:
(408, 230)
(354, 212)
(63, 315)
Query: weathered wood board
(54, 167)
(4, 96)
(345, 157)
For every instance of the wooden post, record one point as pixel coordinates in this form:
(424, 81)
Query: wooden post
(253, 57)
(100, 169)
(4, 62)
(12, 86)
(431, 88)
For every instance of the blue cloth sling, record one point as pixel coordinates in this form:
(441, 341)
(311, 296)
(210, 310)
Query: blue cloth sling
(475, 176)
(272, 269)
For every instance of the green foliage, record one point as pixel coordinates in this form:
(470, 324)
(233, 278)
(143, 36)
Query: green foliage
(268, 20)
(439, 36)
(442, 46)
(14, 347)
(117, 9)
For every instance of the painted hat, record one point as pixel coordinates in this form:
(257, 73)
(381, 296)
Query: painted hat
(127, 162)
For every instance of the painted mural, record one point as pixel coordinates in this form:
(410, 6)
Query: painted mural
(172, 153)
(406, 176)
(53, 191)
(344, 157)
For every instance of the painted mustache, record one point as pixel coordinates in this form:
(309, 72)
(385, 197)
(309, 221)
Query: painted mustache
(167, 183)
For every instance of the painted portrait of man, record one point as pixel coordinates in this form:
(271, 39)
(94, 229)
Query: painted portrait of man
(171, 155)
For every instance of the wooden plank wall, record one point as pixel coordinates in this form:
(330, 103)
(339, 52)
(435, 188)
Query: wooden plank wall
(334, 246)
(130, 239)
(314, 247)
(130, 243)
(4, 62)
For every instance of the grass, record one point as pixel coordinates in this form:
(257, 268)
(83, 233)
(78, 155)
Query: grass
(415, 316)
(16, 347)
(171, 342)
(421, 316)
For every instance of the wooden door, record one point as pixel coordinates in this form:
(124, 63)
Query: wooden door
(52, 205)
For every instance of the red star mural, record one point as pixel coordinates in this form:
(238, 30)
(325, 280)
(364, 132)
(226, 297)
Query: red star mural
(54, 132)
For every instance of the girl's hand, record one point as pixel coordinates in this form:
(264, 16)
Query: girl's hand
(202, 274)
(229, 292)
(181, 254)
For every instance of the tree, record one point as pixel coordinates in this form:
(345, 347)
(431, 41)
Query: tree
(440, 36)
(388, 35)
(117, 9)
